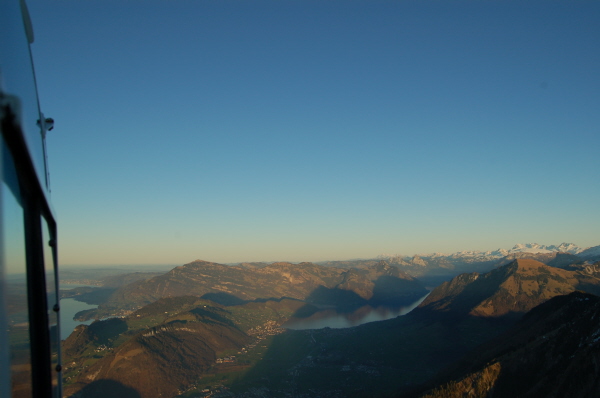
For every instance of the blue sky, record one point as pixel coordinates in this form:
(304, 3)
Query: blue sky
(312, 130)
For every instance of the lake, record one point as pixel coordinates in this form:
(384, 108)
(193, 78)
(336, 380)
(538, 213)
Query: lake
(331, 318)
(327, 317)
(68, 308)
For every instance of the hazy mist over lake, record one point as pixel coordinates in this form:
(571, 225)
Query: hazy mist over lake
(335, 319)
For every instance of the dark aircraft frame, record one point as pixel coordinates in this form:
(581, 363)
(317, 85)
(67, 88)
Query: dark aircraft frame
(30, 362)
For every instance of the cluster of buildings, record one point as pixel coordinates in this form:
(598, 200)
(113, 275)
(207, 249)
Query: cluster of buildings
(213, 392)
(101, 347)
(269, 328)
(228, 359)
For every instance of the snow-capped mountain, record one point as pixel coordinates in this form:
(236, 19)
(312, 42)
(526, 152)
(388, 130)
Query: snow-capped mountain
(474, 260)
(570, 248)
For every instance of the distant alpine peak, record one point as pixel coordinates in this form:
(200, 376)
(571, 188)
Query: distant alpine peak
(531, 248)
(537, 248)
(570, 248)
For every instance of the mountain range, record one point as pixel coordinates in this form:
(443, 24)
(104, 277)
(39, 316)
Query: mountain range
(378, 283)
(439, 266)
(570, 248)
(489, 320)
(393, 357)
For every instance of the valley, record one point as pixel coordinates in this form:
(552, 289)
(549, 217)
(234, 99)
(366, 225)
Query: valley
(207, 329)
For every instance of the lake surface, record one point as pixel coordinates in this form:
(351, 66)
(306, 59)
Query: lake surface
(68, 308)
(338, 320)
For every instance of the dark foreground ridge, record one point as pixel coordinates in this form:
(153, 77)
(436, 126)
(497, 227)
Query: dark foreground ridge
(554, 351)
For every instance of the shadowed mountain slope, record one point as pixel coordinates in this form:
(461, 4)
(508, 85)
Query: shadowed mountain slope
(234, 285)
(383, 358)
(554, 351)
(390, 357)
(164, 347)
(167, 358)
